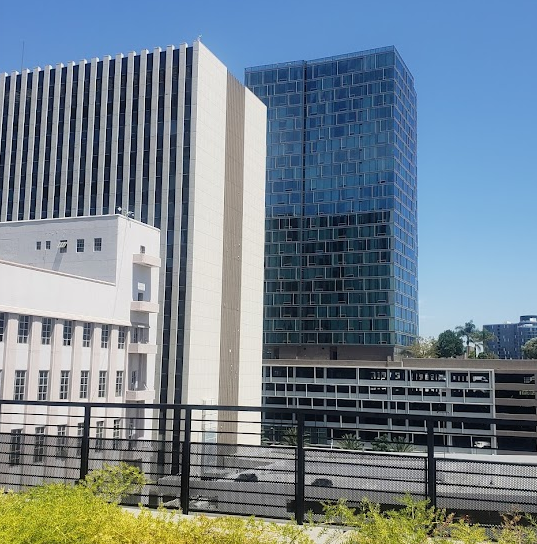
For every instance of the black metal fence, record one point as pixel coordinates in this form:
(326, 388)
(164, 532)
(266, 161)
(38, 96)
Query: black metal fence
(253, 461)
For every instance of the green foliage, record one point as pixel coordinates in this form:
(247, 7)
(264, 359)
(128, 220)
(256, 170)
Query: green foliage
(115, 482)
(466, 533)
(466, 331)
(350, 442)
(529, 349)
(409, 525)
(383, 443)
(60, 514)
(290, 437)
(55, 514)
(486, 355)
(449, 344)
(513, 532)
(422, 348)
(401, 445)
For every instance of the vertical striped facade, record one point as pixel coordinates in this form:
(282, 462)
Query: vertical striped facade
(163, 135)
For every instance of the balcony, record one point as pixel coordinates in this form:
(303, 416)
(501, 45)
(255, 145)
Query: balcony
(140, 395)
(144, 306)
(143, 348)
(146, 260)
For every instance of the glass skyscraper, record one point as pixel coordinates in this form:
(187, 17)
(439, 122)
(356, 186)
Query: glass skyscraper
(341, 206)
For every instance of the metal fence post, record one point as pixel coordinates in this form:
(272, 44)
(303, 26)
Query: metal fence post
(185, 462)
(176, 440)
(430, 486)
(85, 443)
(300, 473)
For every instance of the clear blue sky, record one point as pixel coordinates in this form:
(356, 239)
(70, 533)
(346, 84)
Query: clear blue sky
(474, 62)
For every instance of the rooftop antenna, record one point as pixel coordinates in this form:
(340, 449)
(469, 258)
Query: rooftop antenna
(199, 37)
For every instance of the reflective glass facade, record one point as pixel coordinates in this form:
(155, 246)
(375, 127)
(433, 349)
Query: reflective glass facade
(341, 202)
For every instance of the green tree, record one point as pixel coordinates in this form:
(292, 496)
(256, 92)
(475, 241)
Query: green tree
(467, 331)
(529, 349)
(422, 348)
(115, 482)
(290, 437)
(486, 355)
(350, 442)
(483, 337)
(401, 445)
(381, 443)
(449, 344)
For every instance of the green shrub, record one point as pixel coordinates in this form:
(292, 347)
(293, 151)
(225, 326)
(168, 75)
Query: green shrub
(60, 514)
(411, 524)
(513, 532)
(115, 482)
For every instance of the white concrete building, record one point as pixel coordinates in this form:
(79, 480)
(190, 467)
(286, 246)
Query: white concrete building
(78, 315)
(171, 136)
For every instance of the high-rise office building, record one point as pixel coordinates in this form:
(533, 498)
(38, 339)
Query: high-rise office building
(509, 338)
(173, 140)
(341, 206)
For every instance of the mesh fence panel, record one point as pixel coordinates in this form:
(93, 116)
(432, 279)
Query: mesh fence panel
(464, 484)
(235, 465)
(242, 479)
(353, 475)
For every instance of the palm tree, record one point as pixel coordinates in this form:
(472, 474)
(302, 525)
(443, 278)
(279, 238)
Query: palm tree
(401, 445)
(482, 337)
(467, 331)
(290, 437)
(350, 442)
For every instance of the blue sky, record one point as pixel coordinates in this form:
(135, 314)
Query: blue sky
(476, 76)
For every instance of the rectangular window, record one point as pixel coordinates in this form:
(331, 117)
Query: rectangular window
(46, 331)
(38, 246)
(99, 435)
(62, 440)
(80, 245)
(24, 329)
(20, 385)
(84, 382)
(105, 335)
(42, 385)
(62, 246)
(47, 244)
(121, 338)
(102, 383)
(39, 445)
(64, 384)
(67, 333)
(86, 335)
(119, 383)
(15, 447)
(116, 435)
(2, 326)
(97, 244)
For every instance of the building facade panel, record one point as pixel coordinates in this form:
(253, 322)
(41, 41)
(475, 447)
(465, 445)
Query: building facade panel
(65, 333)
(341, 203)
(145, 134)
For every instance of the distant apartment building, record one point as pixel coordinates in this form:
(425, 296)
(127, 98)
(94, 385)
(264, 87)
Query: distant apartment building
(509, 338)
(78, 323)
(341, 207)
(407, 388)
(173, 138)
